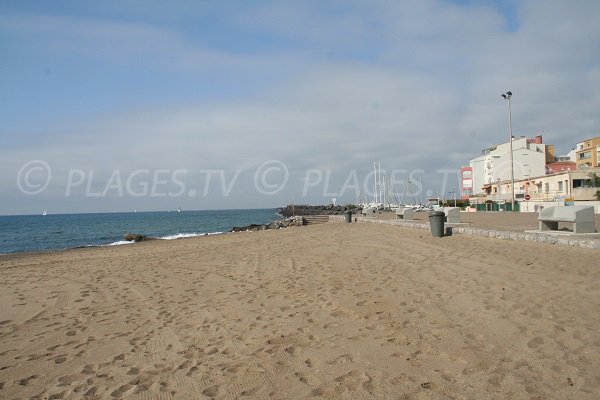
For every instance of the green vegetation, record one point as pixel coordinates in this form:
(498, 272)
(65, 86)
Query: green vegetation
(459, 203)
(596, 183)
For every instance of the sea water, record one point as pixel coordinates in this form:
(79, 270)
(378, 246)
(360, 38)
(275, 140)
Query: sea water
(28, 233)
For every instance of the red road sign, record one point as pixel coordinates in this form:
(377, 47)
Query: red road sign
(527, 197)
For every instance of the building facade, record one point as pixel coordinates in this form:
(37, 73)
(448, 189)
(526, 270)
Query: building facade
(466, 182)
(575, 185)
(587, 153)
(530, 157)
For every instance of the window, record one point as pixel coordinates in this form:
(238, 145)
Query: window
(560, 186)
(580, 183)
(547, 187)
(584, 155)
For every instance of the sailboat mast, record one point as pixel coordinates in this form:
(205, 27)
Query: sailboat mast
(380, 199)
(421, 189)
(384, 191)
(375, 182)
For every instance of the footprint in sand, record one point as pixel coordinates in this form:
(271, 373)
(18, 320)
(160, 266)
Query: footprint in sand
(57, 396)
(212, 391)
(88, 369)
(25, 381)
(535, 342)
(121, 391)
(60, 359)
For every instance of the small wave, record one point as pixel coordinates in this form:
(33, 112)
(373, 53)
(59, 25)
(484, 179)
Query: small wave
(187, 235)
(119, 242)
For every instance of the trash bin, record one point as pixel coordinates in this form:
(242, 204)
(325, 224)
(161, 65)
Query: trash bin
(348, 215)
(436, 222)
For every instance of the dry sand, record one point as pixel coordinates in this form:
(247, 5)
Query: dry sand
(348, 311)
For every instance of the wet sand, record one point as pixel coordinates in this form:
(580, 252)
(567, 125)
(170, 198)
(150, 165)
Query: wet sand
(339, 311)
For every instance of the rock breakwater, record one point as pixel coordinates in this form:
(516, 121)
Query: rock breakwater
(283, 223)
(292, 210)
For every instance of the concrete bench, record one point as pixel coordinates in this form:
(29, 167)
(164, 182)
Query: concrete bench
(369, 212)
(452, 214)
(582, 218)
(405, 213)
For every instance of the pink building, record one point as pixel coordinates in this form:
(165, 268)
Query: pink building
(466, 182)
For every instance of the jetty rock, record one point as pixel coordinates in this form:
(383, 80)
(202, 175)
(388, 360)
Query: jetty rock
(283, 223)
(136, 237)
(251, 228)
(291, 210)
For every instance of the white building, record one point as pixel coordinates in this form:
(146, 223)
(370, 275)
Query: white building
(529, 159)
(570, 156)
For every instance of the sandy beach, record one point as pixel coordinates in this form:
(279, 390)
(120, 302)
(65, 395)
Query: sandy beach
(337, 311)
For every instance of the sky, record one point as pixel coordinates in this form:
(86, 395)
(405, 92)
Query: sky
(146, 105)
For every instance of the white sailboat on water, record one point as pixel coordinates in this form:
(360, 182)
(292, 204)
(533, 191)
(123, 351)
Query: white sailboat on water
(44, 212)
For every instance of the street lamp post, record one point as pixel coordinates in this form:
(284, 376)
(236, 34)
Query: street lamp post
(454, 193)
(506, 96)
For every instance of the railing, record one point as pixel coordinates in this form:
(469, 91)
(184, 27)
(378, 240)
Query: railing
(498, 197)
(580, 194)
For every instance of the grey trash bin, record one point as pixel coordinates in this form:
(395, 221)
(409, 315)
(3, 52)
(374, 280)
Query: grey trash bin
(436, 222)
(348, 216)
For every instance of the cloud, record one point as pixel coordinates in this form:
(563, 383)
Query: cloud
(334, 118)
(119, 42)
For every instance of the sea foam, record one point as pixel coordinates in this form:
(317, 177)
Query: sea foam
(187, 235)
(118, 243)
